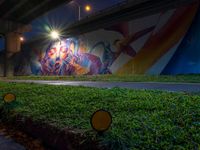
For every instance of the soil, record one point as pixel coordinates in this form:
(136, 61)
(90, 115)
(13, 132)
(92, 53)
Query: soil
(22, 138)
(35, 135)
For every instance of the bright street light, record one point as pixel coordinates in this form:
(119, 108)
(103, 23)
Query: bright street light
(88, 8)
(54, 34)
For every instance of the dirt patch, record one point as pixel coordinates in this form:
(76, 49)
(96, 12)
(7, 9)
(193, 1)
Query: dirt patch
(51, 136)
(22, 138)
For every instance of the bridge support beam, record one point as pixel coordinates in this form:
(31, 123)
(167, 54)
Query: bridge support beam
(12, 33)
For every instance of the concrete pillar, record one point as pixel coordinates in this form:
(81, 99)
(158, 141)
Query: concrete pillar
(12, 46)
(5, 59)
(13, 43)
(12, 36)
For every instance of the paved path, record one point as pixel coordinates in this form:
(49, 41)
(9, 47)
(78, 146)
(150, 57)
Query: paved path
(9, 144)
(174, 87)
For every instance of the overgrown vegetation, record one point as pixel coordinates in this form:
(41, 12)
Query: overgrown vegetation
(125, 78)
(141, 119)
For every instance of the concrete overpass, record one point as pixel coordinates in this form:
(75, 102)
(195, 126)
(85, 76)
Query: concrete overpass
(128, 10)
(15, 16)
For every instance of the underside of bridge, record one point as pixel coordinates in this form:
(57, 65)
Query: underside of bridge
(131, 9)
(15, 16)
(24, 11)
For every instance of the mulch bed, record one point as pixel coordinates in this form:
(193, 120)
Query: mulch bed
(23, 129)
(22, 138)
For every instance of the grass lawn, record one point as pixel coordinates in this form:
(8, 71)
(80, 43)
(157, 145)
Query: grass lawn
(141, 119)
(125, 78)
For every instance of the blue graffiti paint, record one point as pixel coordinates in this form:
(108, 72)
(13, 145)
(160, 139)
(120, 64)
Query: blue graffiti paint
(186, 60)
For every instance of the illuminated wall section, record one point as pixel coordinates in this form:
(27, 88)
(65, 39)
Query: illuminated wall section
(163, 43)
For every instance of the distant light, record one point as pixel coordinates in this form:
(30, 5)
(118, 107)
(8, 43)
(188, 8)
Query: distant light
(54, 34)
(88, 8)
(21, 38)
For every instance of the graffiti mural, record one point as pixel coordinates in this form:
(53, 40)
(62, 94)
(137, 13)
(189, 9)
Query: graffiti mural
(71, 57)
(156, 44)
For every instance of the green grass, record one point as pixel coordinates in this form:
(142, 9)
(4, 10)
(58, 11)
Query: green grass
(125, 78)
(141, 119)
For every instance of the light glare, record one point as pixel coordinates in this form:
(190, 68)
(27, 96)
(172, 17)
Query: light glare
(88, 8)
(54, 35)
(21, 39)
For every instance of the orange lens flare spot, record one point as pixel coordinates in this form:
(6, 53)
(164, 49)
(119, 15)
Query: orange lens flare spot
(101, 120)
(9, 97)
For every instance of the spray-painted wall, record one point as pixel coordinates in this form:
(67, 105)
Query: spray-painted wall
(163, 43)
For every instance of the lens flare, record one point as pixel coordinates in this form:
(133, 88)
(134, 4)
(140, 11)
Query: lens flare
(21, 38)
(54, 34)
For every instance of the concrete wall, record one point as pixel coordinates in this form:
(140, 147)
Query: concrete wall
(163, 43)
